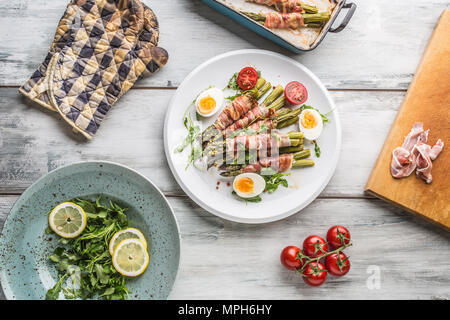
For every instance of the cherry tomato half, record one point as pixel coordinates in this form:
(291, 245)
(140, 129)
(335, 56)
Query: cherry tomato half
(247, 78)
(315, 274)
(337, 236)
(295, 93)
(315, 246)
(289, 258)
(337, 264)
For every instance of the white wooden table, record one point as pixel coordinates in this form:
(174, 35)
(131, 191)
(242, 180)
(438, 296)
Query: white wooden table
(367, 68)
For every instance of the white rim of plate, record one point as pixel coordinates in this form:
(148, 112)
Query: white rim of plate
(286, 213)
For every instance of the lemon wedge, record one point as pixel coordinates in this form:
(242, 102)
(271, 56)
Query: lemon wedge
(130, 258)
(128, 233)
(67, 220)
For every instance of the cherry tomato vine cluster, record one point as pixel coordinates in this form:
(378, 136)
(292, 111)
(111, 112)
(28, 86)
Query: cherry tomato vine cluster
(319, 257)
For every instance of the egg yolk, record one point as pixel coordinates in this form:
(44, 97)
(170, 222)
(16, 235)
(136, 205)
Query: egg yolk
(245, 185)
(206, 105)
(308, 120)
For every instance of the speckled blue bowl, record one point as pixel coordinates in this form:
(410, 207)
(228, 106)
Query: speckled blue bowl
(26, 272)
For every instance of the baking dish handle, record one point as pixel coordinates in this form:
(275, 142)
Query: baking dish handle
(348, 16)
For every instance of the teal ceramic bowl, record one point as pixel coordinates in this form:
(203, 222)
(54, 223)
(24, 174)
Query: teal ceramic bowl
(26, 272)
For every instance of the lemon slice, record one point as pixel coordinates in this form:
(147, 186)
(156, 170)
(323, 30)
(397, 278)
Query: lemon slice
(129, 233)
(67, 220)
(130, 258)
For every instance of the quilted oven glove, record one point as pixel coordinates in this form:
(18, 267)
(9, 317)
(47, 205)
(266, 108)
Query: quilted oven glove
(100, 49)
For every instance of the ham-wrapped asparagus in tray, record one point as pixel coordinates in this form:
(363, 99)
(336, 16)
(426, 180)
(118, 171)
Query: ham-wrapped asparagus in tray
(286, 6)
(292, 20)
(244, 141)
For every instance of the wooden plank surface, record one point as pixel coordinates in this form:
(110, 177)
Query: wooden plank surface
(367, 66)
(221, 259)
(380, 48)
(34, 141)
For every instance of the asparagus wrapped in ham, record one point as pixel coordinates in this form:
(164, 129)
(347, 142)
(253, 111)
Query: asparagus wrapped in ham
(258, 112)
(240, 106)
(281, 163)
(278, 122)
(218, 130)
(265, 141)
(286, 6)
(293, 20)
(253, 146)
(285, 118)
(237, 108)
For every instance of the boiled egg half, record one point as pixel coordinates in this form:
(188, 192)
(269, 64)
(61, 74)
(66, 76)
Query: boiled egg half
(209, 102)
(311, 124)
(249, 185)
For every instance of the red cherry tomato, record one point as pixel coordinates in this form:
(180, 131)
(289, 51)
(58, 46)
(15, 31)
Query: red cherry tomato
(337, 236)
(247, 78)
(315, 274)
(314, 246)
(337, 264)
(295, 93)
(289, 258)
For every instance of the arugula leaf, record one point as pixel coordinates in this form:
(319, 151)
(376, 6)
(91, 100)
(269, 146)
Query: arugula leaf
(253, 199)
(274, 179)
(231, 98)
(232, 83)
(317, 149)
(53, 293)
(191, 139)
(86, 259)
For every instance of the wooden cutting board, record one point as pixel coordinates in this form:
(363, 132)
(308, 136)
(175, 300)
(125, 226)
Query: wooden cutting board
(427, 101)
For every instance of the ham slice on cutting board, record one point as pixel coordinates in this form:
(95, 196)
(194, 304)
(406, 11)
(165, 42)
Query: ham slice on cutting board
(415, 154)
(427, 101)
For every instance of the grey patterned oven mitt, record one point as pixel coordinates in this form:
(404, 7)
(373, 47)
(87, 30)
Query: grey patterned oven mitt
(100, 49)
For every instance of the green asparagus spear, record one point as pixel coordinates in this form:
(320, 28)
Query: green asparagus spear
(283, 111)
(261, 81)
(287, 122)
(295, 135)
(278, 103)
(303, 163)
(290, 115)
(273, 95)
(292, 149)
(308, 8)
(302, 154)
(263, 90)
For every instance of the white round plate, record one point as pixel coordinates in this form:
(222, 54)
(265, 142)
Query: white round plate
(305, 184)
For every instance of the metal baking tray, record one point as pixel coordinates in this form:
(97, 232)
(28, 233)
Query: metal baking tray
(285, 38)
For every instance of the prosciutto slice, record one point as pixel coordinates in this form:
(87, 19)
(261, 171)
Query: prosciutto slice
(276, 20)
(436, 149)
(281, 163)
(265, 141)
(239, 107)
(415, 154)
(268, 123)
(258, 112)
